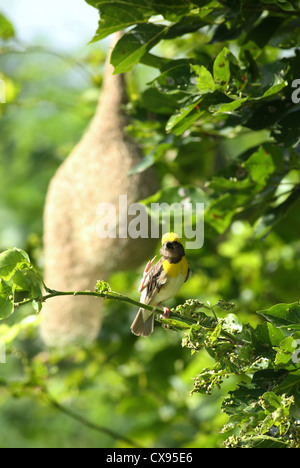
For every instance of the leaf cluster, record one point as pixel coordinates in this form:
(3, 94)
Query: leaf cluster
(263, 409)
(19, 280)
(232, 78)
(217, 120)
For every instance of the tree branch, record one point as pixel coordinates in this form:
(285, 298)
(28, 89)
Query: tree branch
(108, 294)
(104, 295)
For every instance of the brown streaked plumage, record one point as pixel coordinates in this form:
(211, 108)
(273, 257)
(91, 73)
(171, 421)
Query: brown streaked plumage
(161, 282)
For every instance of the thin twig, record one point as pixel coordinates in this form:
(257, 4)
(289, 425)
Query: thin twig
(105, 295)
(81, 419)
(121, 297)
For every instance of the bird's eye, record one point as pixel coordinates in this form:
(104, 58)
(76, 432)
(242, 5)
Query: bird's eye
(169, 245)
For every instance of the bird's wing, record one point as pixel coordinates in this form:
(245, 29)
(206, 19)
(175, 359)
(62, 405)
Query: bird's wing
(145, 278)
(156, 278)
(188, 274)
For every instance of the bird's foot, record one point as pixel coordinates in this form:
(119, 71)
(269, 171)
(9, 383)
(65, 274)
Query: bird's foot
(166, 313)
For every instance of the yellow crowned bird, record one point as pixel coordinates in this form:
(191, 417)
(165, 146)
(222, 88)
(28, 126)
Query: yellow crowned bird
(161, 282)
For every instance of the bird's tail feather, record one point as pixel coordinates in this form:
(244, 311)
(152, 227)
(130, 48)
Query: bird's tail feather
(142, 326)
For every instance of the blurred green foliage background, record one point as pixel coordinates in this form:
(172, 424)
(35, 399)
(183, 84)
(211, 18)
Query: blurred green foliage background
(135, 387)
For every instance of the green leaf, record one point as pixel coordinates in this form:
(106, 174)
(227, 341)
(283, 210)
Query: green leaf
(232, 324)
(275, 216)
(287, 130)
(154, 61)
(119, 15)
(272, 80)
(6, 300)
(151, 157)
(6, 28)
(260, 165)
(284, 5)
(265, 114)
(216, 333)
(171, 11)
(265, 378)
(228, 107)
(221, 211)
(183, 199)
(188, 24)
(28, 280)
(289, 35)
(266, 223)
(175, 77)
(287, 354)
(144, 164)
(205, 81)
(10, 260)
(222, 67)
(283, 315)
(133, 45)
(181, 114)
(159, 103)
(11, 88)
(264, 30)
(177, 195)
(220, 184)
(16, 269)
(268, 335)
(6, 306)
(278, 85)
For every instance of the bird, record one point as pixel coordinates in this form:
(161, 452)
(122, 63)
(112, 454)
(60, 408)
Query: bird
(161, 282)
